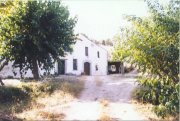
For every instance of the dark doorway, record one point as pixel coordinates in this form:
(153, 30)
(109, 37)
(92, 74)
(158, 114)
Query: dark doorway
(61, 67)
(87, 68)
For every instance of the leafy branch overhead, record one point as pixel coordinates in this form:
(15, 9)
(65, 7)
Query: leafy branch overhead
(35, 34)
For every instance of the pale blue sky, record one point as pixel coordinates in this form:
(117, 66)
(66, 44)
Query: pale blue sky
(102, 19)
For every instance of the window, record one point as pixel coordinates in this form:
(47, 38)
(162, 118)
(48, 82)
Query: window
(86, 51)
(96, 67)
(98, 54)
(74, 64)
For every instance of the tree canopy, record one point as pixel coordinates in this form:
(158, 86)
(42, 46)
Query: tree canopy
(35, 34)
(152, 45)
(152, 42)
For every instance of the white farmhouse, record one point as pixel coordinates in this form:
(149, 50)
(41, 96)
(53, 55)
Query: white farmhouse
(87, 58)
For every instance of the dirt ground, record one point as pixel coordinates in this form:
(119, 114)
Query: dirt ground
(104, 98)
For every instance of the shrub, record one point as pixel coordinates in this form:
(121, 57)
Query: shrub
(12, 94)
(161, 93)
(128, 69)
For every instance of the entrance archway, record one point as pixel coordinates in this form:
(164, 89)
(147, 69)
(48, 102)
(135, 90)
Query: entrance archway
(61, 67)
(87, 68)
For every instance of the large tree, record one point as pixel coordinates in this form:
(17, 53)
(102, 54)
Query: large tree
(152, 42)
(5, 9)
(152, 45)
(35, 34)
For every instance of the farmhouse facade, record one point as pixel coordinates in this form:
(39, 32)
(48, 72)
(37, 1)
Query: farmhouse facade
(87, 58)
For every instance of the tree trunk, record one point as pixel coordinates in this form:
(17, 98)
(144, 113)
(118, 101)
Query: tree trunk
(2, 84)
(157, 97)
(35, 69)
(3, 62)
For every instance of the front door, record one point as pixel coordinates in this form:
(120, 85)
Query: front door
(87, 68)
(61, 67)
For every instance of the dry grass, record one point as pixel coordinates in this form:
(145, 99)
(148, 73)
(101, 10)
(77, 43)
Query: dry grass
(105, 117)
(146, 110)
(57, 98)
(51, 116)
(43, 105)
(104, 111)
(45, 96)
(73, 88)
(104, 102)
(68, 91)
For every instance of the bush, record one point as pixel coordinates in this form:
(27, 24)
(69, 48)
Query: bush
(128, 69)
(161, 93)
(12, 94)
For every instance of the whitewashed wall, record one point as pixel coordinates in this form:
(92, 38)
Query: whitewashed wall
(8, 71)
(79, 54)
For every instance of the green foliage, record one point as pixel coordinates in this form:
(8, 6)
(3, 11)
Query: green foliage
(163, 94)
(6, 7)
(35, 34)
(120, 49)
(12, 94)
(152, 45)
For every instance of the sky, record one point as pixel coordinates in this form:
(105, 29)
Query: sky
(102, 19)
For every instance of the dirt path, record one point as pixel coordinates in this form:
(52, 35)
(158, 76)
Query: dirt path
(104, 97)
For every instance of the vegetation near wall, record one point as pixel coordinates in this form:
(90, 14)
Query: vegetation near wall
(151, 44)
(34, 34)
